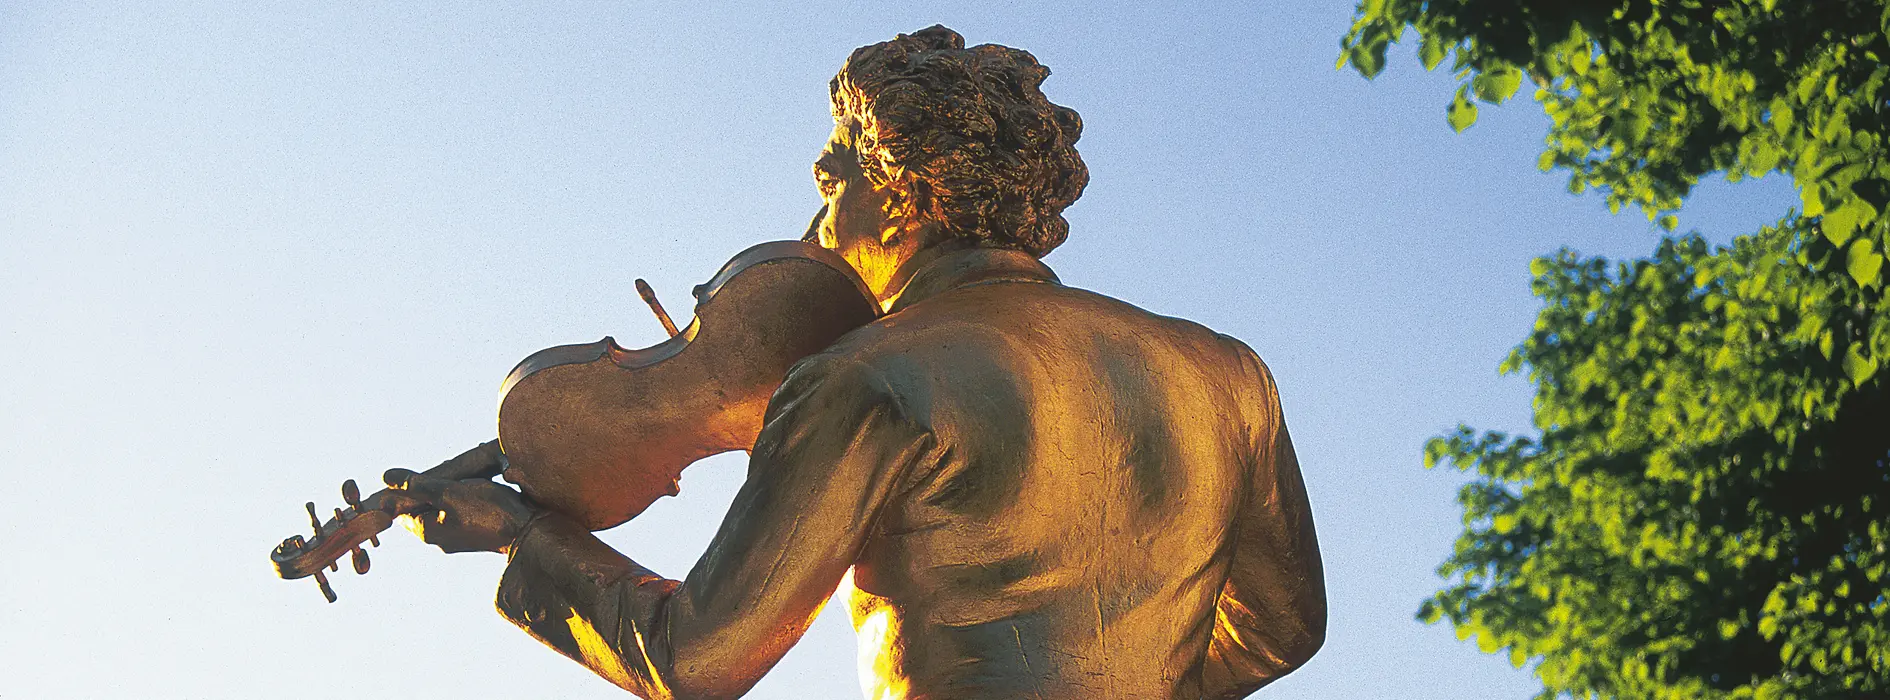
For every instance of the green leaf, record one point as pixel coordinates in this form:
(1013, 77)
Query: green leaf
(1488, 643)
(1366, 52)
(1805, 86)
(1462, 112)
(1431, 51)
(1863, 261)
(1781, 116)
(1495, 86)
(1368, 62)
(1812, 198)
(1841, 222)
(1580, 58)
(1764, 159)
(1858, 367)
(1503, 524)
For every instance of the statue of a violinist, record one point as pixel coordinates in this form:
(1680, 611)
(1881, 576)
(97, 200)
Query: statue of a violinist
(1038, 492)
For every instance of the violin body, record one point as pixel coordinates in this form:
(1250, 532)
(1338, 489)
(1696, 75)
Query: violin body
(598, 432)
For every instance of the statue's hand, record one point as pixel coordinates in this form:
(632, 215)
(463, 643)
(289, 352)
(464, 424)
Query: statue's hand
(470, 515)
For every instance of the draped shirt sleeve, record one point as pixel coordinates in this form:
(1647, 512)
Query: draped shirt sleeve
(834, 447)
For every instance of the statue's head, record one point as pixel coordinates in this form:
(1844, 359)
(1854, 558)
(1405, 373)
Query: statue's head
(936, 144)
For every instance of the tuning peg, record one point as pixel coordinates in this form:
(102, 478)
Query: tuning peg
(314, 521)
(322, 581)
(360, 561)
(351, 494)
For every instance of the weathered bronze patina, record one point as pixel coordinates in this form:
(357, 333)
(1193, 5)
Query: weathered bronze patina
(1025, 490)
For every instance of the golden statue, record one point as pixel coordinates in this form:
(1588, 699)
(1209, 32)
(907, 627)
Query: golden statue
(1025, 490)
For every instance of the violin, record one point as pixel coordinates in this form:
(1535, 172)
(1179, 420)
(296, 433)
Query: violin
(598, 432)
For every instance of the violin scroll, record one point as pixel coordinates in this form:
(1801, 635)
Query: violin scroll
(360, 523)
(364, 519)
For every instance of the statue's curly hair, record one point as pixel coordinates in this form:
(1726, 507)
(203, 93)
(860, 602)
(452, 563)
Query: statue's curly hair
(965, 136)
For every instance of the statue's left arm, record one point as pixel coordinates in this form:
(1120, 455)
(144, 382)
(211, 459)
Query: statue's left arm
(833, 449)
(1271, 615)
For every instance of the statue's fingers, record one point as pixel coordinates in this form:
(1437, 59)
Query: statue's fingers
(397, 477)
(420, 487)
(482, 462)
(424, 525)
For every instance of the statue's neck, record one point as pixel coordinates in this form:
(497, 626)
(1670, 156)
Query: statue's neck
(920, 259)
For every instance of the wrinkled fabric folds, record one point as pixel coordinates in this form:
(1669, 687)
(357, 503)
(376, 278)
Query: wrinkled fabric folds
(1039, 492)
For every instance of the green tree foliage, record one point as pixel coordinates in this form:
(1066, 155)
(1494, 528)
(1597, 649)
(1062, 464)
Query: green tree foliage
(1703, 512)
(1649, 95)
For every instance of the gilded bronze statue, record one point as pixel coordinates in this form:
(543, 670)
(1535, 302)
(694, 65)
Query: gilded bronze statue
(1025, 490)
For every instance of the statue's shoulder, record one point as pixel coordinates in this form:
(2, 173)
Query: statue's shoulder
(1015, 317)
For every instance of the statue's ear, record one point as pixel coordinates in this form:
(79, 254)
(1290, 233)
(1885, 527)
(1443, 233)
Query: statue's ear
(899, 215)
(907, 203)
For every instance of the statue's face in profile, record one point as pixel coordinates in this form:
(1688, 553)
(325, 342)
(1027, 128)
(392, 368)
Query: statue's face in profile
(856, 223)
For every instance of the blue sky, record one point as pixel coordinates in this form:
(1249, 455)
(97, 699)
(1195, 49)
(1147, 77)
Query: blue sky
(253, 251)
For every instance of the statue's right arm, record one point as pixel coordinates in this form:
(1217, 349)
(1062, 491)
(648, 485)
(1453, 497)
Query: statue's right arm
(1271, 614)
(832, 449)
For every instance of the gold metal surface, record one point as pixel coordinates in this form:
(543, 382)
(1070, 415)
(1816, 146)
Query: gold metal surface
(365, 518)
(1024, 490)
(1039, 492)
(598, 433)
(656, 307)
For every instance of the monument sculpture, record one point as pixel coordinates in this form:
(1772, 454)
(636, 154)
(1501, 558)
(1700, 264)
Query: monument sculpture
(1023, 489)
